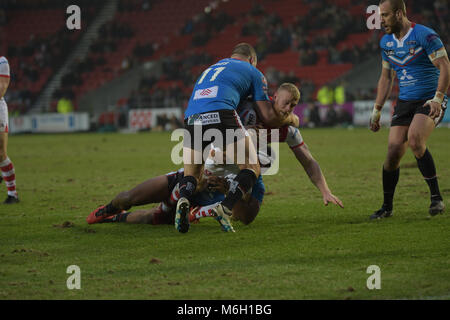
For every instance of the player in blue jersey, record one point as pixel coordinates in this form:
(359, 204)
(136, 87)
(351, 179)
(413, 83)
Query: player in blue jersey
(212, 110)
(418, 57)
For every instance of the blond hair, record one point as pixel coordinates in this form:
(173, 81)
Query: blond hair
(293, 90)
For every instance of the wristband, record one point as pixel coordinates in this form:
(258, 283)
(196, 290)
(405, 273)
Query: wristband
(438, 97)
(376, 115)
(378, 106)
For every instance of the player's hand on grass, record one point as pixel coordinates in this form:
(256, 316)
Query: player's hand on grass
(375, 119)
(331, 198)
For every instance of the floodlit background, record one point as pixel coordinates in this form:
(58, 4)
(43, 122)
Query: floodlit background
(135, 56)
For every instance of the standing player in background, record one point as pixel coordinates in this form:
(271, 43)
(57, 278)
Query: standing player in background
(6, 166)
(213, 104)
(417, 55)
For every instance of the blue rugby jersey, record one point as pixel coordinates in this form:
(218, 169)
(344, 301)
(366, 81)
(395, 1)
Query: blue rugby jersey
(206, 198)
(417, 76)
(224, 84)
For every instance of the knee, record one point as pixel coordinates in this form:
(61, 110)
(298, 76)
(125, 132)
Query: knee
(3, 156)
(255, 168)
(416, 144)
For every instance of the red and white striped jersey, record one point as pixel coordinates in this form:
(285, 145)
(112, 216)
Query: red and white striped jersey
(4, 73)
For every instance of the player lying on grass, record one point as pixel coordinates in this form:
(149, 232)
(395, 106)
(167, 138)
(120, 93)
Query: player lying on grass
(165, 188)
(165, 191)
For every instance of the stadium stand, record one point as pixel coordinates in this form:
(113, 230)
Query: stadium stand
(36, 41)
(310, 43)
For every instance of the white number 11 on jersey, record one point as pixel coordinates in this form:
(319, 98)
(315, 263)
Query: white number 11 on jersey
(214, 76)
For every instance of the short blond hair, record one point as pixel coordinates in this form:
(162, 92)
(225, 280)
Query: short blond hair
(293, 90)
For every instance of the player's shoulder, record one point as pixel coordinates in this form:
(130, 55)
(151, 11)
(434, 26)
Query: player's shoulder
(3, 60)
(425, 33)
(387, 41)
(424, 30)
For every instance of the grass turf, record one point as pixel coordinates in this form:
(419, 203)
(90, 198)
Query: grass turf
(295, 249)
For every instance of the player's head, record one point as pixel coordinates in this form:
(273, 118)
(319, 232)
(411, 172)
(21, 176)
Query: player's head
(286, 98)
(245, 51)
(392, 13)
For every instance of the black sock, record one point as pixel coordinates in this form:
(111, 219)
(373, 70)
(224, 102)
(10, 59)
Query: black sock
(239, 186)
(110, 209)
(120, 217)
(187, 187)
(390, 179)
(428, 170)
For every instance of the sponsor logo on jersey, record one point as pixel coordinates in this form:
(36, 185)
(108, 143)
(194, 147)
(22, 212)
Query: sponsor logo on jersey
(220, 64)
(406, 76)
(206, 93)
(411, 43)
(204, 119)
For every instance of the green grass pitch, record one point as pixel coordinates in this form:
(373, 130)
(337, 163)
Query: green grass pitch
(295, 249)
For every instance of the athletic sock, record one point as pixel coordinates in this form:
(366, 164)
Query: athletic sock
(390, 179)
(202, 212)
(241, 184)
(120, 217)
(110, 209)
(174, 197)
(9, 175)
(428, 170)
(187, 187)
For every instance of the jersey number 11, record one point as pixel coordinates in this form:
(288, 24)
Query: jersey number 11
(214, 76)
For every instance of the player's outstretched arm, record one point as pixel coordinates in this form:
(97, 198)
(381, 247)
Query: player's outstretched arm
(443, 64)
(315, 174)
(384, 89)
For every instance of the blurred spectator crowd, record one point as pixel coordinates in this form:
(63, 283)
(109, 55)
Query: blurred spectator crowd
(322, 32)
(38, 53)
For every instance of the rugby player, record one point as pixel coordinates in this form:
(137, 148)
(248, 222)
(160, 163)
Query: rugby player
(217, 177)
(285, 99)
(418, 57)
(6, 166)
(213, 104)
(165, 190)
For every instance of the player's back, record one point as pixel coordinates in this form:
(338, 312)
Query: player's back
(224, 84)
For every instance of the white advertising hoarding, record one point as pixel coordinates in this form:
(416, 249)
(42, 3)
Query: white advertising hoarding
(139, 119)
(362, 110)
(50, 123)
